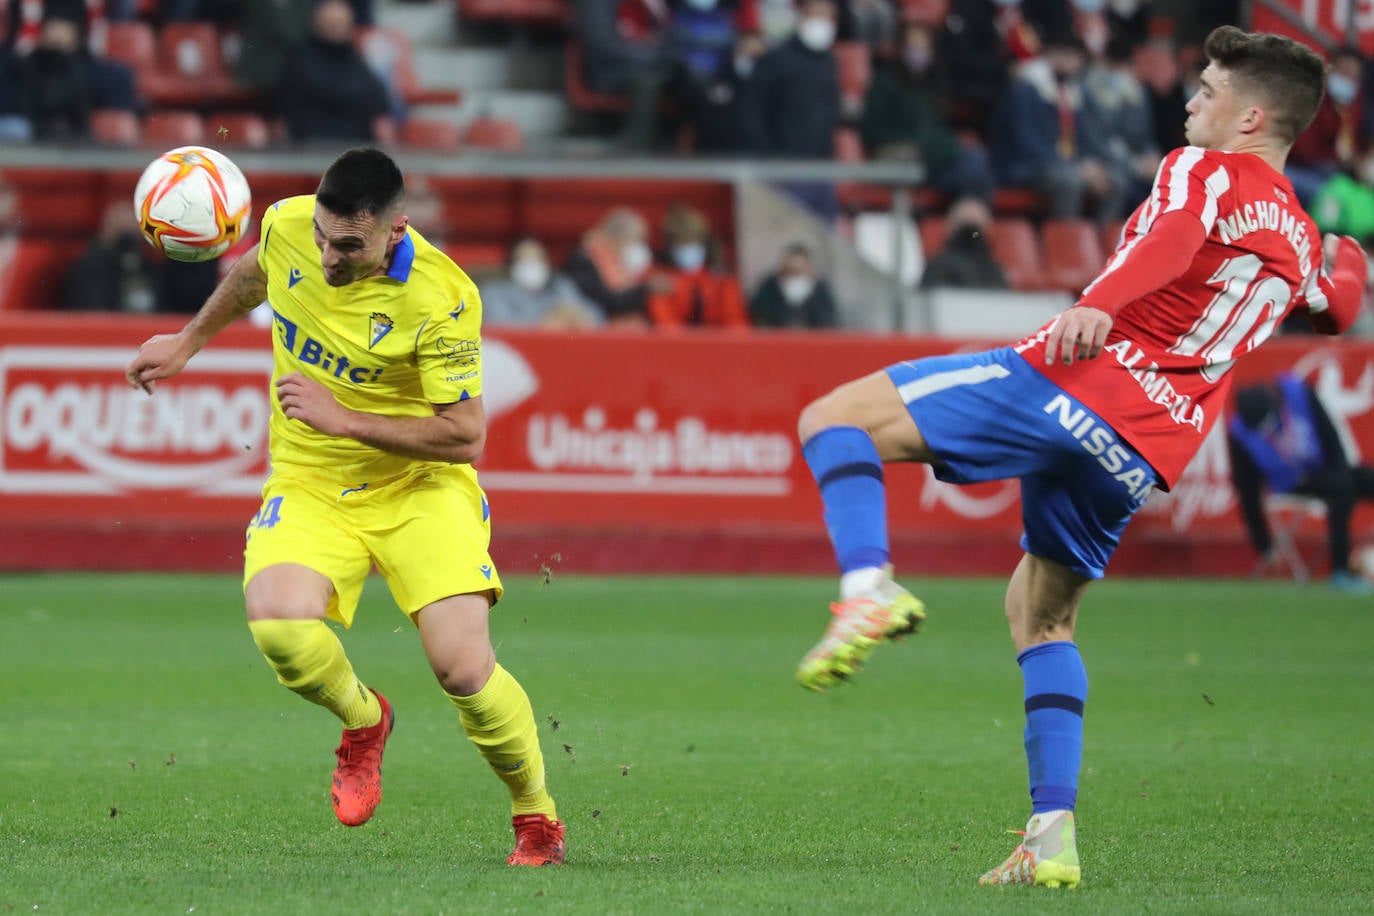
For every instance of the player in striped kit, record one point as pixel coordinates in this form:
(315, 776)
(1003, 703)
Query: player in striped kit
(1106, 402)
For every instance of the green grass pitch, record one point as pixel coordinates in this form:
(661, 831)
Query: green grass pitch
(153, 765)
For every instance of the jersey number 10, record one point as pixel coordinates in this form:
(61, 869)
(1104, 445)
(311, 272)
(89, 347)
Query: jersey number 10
(1240, 317)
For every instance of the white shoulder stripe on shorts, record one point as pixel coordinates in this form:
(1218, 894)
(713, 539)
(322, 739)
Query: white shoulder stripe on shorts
(939, 381)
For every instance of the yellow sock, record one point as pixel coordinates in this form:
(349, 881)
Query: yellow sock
(499, 721)
(310, 660)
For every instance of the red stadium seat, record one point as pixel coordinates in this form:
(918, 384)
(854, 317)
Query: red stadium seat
(31, 272)
(430, 133)
(1017, 249)
(927, 12)
(856, 71)
(190, 69)
(131, 43)
(934, 231)
(516, 12)
(115, 127)
(477, 256)
(238, 128)
(575, 83)
(389, 52)
(1110, 235)
(173, 128)
(1073, 253)
(1018, 202)
(501, 134)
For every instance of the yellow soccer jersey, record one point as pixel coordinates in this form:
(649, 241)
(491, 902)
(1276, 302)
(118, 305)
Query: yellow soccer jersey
(393, 344)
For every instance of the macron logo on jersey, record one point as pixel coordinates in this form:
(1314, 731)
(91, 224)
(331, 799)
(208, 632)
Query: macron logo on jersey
(295, 277)
(313, 353)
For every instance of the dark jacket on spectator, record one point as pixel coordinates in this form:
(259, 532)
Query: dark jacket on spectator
(717, 112)
(965, 262)
(902, 108)
(581, 269)
(1027, 139)
(57, 94)
(619, 41)
(793, 104)
(328, 92)
(770, 309)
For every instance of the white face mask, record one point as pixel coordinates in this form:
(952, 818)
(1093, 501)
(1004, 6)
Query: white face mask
(689, 256)
(635, 257)
(816, 32)
(530, 274)
(744, 66)
(1341, 88)
(796, 288)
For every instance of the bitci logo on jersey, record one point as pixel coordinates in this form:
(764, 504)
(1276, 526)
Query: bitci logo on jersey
(71, 426)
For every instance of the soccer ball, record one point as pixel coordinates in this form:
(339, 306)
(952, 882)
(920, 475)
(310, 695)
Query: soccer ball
(192, 203)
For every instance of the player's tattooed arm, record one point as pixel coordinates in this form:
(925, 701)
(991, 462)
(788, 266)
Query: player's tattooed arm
(163, 356)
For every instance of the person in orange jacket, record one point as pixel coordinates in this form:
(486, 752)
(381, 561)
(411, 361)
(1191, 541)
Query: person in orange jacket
(698, 293)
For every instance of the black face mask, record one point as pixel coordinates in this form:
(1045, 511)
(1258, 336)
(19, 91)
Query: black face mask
(967, 237)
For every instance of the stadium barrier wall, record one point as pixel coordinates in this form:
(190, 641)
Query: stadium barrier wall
(607, 451)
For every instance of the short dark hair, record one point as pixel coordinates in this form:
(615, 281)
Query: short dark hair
(362, 180)
(1287, 75)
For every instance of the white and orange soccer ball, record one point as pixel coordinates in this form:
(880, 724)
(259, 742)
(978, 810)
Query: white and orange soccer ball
(192, 203)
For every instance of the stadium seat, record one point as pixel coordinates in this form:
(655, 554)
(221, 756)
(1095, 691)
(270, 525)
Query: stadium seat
(1073, 253)
(115, 127)
(477, 256)
(1023, 202)
(1016, 248)
(500, 134)
(430, 133)
(927, 12)
(238, 128)
(191, 71)
(389, 52)
(575, 84)
(516, 12)
(934, 231)
(173, 128)
(856, 72)
(31, 273)
(1110, 236)
(132, 43)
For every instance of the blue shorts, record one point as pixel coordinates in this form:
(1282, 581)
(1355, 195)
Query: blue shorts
(991, 416)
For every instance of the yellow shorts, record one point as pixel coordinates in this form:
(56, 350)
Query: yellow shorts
(427, 532)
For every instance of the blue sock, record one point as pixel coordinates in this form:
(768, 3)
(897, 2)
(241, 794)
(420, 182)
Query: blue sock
(1056, 688)
(849, 472)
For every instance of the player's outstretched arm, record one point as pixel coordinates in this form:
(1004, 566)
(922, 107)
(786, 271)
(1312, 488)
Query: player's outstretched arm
(1340, 293)
(456, 433)
(163, 356)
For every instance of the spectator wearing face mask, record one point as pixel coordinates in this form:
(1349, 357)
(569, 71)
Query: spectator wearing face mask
(904, 119)
(793, 296)
(56, 81)
(1335, 138)
(965, 261)
(1127, 119)
(1050, 135)
(610, 267)
(697, 293)
(793, 106)
(533, 295)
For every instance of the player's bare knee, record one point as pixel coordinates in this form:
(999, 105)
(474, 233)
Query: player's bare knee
(465, 673)
(820, 414)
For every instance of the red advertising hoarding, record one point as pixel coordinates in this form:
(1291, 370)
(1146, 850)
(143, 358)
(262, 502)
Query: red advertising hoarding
(611, 451)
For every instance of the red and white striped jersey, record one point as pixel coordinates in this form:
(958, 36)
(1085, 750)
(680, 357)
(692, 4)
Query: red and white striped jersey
(1162, 380)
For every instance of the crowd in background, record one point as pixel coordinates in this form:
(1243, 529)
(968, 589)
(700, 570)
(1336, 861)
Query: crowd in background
(1072, 100)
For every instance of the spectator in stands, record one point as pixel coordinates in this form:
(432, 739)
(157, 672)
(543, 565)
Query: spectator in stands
(904, 119)
(533, 295)
(698, 293)
(716, 108)
(56, 79)
(1345, 203)
(624, 52)
(1050, 136)
(268, 29)
(794, 296)
(965, 261)
(793, 106)
(1335, 138)
(14, 122)
(327, 90)
(873, 22)
(610, 267)
(1282, 440)
(976, 53)
(701, 37)
(1127, 121)
(120, 272)
(1169, 91)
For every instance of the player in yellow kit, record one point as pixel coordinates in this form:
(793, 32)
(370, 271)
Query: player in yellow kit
(375, 424)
